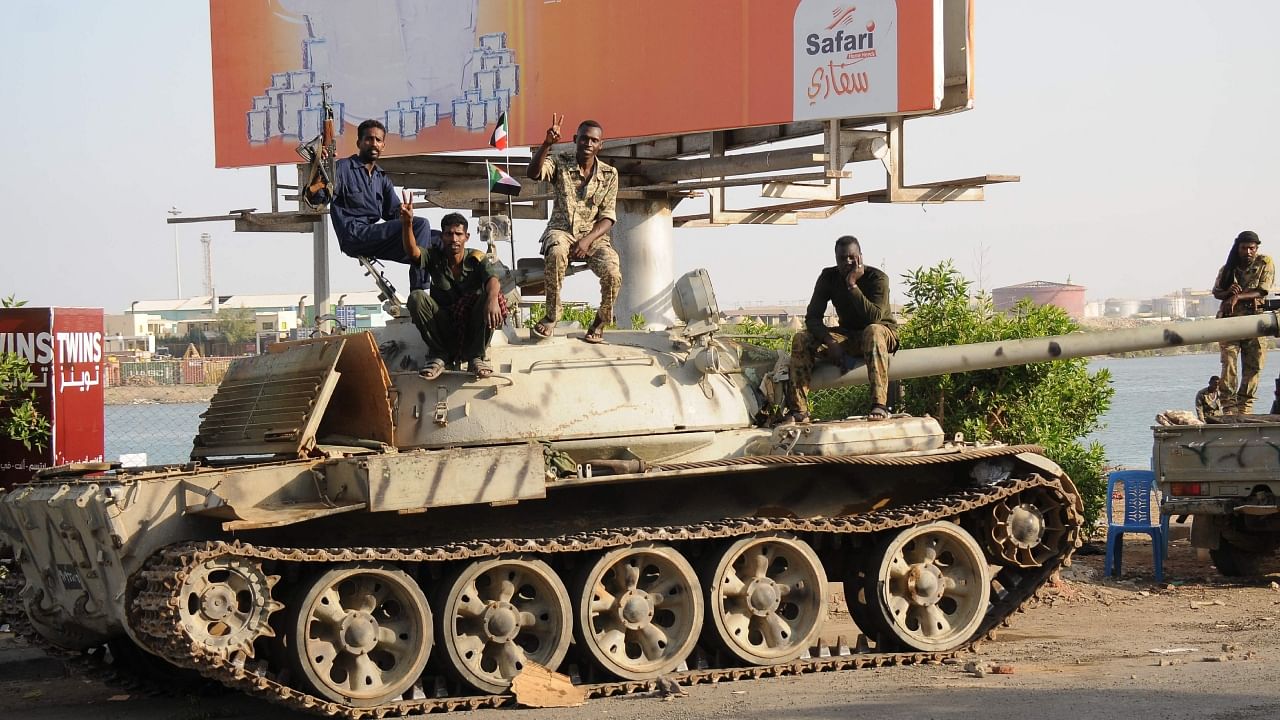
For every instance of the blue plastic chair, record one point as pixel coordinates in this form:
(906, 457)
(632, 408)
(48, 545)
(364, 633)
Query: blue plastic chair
(1139, 488)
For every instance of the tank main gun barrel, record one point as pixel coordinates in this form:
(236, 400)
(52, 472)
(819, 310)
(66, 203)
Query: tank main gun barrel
(924, 362)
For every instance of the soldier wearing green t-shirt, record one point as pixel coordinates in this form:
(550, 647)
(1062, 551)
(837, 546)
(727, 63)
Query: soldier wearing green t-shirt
(457, 319)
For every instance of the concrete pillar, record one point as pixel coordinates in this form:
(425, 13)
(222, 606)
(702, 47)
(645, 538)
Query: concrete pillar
(646, 246)
(320, 270)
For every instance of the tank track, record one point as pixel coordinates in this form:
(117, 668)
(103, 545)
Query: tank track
(154, 614)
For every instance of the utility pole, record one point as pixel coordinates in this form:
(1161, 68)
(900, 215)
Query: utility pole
(207, 241)
(177, 261)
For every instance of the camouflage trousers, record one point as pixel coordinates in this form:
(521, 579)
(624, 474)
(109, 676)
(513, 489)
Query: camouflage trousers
(1239, 389)
(873, 345)
(603, 261)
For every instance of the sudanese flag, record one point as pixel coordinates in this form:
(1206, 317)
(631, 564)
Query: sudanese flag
(501, 182)
(499, 137)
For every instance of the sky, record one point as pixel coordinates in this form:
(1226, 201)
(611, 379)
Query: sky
(1145, 134)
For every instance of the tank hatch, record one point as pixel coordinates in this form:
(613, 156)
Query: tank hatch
(274, 404)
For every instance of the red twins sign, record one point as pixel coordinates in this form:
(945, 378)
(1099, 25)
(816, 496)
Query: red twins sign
(63, 346)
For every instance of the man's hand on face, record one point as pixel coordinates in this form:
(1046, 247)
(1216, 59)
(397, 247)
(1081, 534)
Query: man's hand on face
(580, 249)
(553, 132)
(856, 271)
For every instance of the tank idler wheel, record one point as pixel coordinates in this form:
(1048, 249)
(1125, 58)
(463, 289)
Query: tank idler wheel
(931, 587)
(638, 611)
(225, 605)
(1026, 530)
(362, 634)
(766, 597)
(498, 615)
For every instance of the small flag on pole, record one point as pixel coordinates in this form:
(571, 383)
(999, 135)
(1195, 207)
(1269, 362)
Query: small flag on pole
(499, 137)
(500, 182)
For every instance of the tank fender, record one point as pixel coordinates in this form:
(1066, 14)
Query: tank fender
(1053, 469)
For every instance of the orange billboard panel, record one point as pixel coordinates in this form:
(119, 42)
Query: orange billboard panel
(439, 73)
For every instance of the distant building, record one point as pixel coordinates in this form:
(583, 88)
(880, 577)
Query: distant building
(772, 315)
(1041, 292)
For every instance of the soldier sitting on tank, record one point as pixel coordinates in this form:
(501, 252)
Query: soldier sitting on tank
(465, 304)
(365, 209)
(586, 191)
(867, 329)
(1242, 284)
(1208, 402)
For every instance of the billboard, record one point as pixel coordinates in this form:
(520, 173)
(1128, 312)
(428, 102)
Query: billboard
(64, 349)
(438, 73)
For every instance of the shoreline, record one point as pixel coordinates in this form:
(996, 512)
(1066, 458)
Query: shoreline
(158, 394)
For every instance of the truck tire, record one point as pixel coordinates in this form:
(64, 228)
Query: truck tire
(1234, 561)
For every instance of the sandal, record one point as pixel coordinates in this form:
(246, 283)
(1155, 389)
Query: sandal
(433, 369)
(480, 368)
(595, 334)
(543, 328)
(878, 412)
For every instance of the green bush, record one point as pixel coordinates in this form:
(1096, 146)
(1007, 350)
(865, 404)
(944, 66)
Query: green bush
(19, 418)
(1052, 404)
(582, 314)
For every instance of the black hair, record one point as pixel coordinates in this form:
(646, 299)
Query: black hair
(846, 240)
(452, 219)
(1214, 377)
(591, 123)
(367, 125)
(1233, 258)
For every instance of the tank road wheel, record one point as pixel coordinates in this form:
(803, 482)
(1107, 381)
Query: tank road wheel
(1026, 530)
(638, 611)
(499, 614)
(226, 603)
(931, 588)
(766, 598)
(363, 634)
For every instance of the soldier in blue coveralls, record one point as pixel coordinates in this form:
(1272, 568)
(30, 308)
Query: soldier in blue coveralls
(365, 196)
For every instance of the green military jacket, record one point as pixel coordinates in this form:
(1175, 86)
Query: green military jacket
(1257, 275)
(856, 309)
(446, 288)
(576, 212)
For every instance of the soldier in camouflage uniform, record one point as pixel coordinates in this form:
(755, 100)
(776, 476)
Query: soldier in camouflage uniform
(867, 329)
(586, 191)
(1242, 284)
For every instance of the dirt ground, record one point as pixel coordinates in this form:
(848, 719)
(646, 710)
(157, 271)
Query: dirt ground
(1196, 646)
(129, 395)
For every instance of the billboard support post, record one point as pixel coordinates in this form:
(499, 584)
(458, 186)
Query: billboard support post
(320, 277)
(645, 243)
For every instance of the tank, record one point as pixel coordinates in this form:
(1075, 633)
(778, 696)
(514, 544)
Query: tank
(351, 539)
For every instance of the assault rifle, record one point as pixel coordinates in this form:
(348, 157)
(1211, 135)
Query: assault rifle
(319, 153)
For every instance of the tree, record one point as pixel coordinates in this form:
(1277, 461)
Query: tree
(237, 325)
(20, 420)
(1052, 404)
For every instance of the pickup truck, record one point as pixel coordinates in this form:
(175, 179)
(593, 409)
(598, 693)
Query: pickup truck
(1225, 476)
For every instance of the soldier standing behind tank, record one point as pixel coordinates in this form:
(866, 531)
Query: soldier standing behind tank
(1242, 284)
(1208, 402)
(867, 329)
(586, 192)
